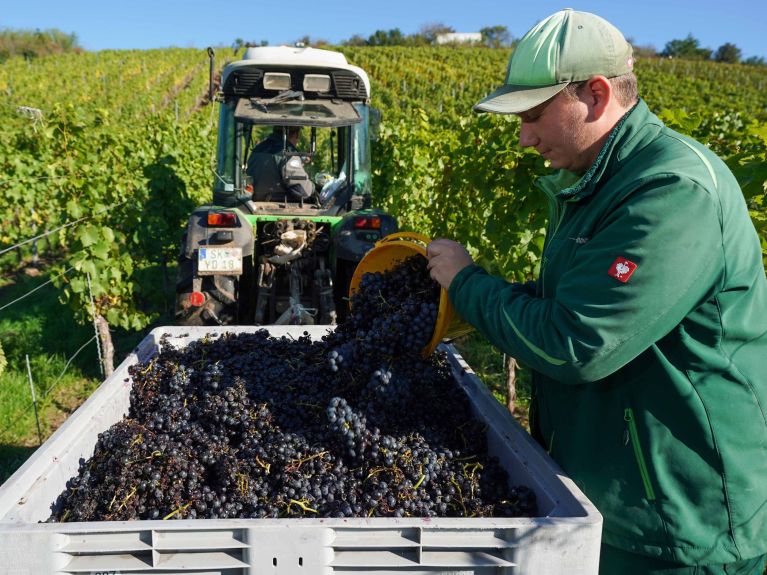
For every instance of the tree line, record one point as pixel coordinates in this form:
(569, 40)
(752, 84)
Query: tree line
(492, 37)
(34, 43)
(689, 48)
(498, 36)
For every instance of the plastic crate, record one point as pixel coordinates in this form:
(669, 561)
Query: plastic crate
(565, 539)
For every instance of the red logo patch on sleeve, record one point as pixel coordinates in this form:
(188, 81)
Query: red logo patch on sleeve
(622, 269)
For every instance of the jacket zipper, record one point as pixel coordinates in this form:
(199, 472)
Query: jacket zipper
(559, 216)
(631, 432)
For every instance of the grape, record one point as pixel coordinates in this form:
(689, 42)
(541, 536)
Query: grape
(356, 424)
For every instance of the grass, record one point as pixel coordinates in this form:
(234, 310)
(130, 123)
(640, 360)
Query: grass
(43, 328)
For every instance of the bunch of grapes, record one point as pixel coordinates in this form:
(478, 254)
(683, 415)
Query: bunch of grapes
(392, 314)
(357, 424)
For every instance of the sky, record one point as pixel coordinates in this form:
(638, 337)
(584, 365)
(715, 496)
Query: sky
(142, 24)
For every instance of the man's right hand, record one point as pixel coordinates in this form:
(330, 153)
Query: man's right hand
(446, 259)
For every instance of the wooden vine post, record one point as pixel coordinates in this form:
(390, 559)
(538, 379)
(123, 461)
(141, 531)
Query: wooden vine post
(511, 383)
(107, 347)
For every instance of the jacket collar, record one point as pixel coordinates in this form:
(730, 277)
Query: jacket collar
(621, 141)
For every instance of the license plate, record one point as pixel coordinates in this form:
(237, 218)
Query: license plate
(219, 261)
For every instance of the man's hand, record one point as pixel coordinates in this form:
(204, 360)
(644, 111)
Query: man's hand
(446, 259)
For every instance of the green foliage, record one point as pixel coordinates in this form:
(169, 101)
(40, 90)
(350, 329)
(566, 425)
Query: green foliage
(493, 36)
(755, 61)
(393, 37)
(642, 50)
(728, 53)
(488, 363)
(34, 43)
(133, 177)
(118, 138)
(40, 328)
(750, 167)
(472, 183)
(687, 48)
(429, 32)
(355, 40)
(108, 145)
(496, 36)
(446, 171)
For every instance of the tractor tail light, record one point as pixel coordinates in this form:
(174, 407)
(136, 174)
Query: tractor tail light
(222, 219)
(367, 223)
(196, 298)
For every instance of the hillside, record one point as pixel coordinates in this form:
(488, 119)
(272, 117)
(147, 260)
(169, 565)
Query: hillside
(116, 149)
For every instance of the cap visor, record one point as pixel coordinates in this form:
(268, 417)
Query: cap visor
(509, 99)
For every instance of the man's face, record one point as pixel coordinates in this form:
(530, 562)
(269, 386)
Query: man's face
(293, 136)
(558, 130)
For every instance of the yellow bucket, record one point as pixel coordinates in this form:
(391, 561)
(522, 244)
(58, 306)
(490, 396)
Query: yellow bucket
(386, 254)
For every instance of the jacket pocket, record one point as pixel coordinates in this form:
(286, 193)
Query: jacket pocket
(631, 435)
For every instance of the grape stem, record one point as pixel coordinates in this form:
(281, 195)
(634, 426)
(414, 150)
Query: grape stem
(460, 495)
(302, 503)
(178, 510)
(127, 498)
(296, 464)
(265, 466)
(242, 483)
(139, 438)
(473, 467)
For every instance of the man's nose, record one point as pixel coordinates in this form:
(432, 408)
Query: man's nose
(527, 137)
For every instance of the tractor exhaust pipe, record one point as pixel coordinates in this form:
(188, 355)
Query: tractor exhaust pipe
(212, 58)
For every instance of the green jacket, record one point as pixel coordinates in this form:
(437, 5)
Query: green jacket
(647, 334)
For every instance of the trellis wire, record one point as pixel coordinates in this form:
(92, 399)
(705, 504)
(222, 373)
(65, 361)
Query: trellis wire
(33, 290)
(53, 231)
(58, 379)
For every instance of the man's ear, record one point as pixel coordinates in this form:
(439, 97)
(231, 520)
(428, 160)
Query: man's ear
(599, 95)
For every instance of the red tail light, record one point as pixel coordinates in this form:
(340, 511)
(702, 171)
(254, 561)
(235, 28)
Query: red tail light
(367, 223)
(196, 298)
(222, 219)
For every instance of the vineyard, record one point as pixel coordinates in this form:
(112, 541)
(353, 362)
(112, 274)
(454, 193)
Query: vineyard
(104, 155)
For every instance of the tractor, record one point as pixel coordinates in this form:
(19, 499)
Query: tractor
(291, 214)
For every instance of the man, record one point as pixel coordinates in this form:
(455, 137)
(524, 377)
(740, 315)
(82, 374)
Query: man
(276, 175)
(647, 328)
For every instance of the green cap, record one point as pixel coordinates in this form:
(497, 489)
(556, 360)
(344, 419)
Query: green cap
(566, 47)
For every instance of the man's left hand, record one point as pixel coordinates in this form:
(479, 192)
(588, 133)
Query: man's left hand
(446, 259)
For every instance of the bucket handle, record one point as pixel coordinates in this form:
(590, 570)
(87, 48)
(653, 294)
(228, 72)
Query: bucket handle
(420, 238)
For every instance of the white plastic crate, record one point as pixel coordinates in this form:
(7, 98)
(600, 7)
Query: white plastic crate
(565, 539)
